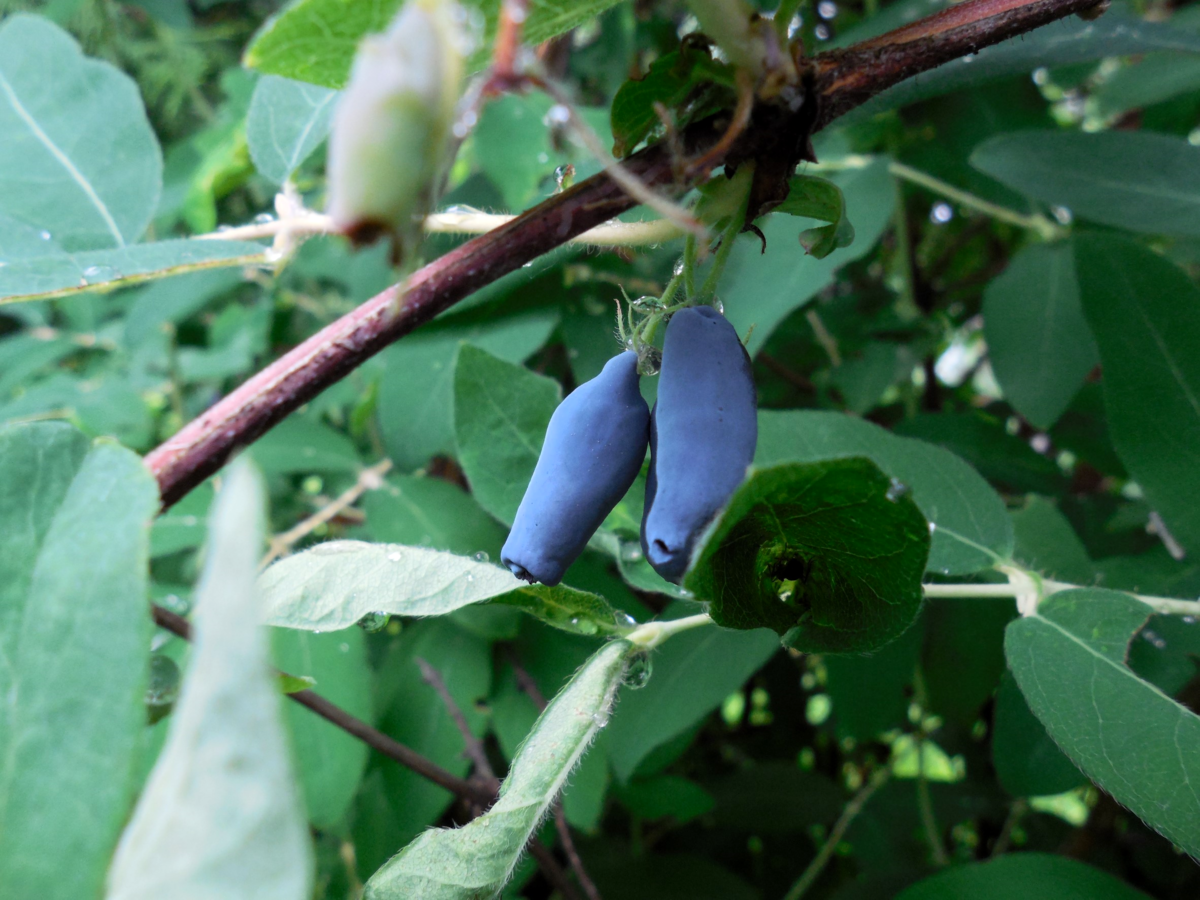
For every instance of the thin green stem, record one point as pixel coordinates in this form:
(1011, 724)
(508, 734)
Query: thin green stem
(907, 307)
(1046, 229)
(689, 266)
(1018, 587)
(651, 634)
(925, 802)
(851, 811)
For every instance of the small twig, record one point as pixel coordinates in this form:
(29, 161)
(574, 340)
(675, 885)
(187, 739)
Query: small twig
(369, 479)
(791, 376)
(373, 738)
(1016, 811)
(737, 125)
(827, 341)
(925, 804)
(473, 746)
(504, 75)
(809, 876)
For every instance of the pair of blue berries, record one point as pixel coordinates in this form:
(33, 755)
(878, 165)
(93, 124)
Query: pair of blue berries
(701, 435)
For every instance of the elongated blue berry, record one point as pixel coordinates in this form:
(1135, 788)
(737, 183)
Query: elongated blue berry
(594, 447)
(702, 435)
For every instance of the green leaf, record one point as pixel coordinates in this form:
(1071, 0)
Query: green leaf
(53, 272)
(1135, 180)
(1132, 740)
(971, 529)
(665, 796)
(1155, 79)
(287, 121)
(302, 443)
(761, 289)
(74, 635)
(335, 584)
(412, 712)
(871, 693)
(692, 673)
(830, 555)
(329, 761)
(1038, 341)
(963, 656)
(315, 40)
(1060, 43)
(1028, 763)
(430, 512)
(183, 526)
(671, 80)
(500, 416)
(811, 197)
(771, 798)
(220, 814)
(1145, 315)
(512, 146)
(1019, 876)
(416, 394)
(477, 859)
(1047, 543)
(60, 138)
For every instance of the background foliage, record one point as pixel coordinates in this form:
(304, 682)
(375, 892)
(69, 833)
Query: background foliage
(999, 369)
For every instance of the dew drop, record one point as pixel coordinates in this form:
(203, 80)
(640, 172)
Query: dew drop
(624, 619)
(639, 671)
(395, 556)
(45, 235)
(1189, 620)
(718, 306)
(896, 490)
(481, 556)
(373, 622)
(263, 219)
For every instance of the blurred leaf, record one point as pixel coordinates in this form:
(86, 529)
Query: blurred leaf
(666, 795)
(1145, 315)
(174, 299)
(500, 416)
(477, 859)
(411, 711)
(1038, 340)
(1126, 735)
(845, 545)
(963, 656)
(335, 584)
(1028, 763)
(1166, 653)
(619, 873)
(301, 444)
(329, 761)
(184, 525)
(59, 138)
(221, 814)
(1156, 78)
(775, 798)
(970, 524)
(761, 289)
(430, 512)
(1067, 41)
(1018, 876)
(1046, 543)
(53, 272)
(864, 377)
(1135, 180)
(1003, 459)
(512, 146)
(416, 395)
(871, 693)
(315, 40)
(74, 635)
(287, 121)
(693, 673)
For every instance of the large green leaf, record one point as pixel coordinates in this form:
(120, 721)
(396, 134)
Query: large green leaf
(477, 859)
(221, 814)
(760, 289)
(430, 512)
(872, 692)
(692, 673)
(500, 416)
(1145, 315)
(1028, 763)
(315, 40)
(1038, 341)
(79, 163)
(336, 584)
(828, 554)
(1020, 876)
(50, 271)
(970, 525)
(1134, 741)
(416, 393)
(74, 635)
(329, 761)
(287, 121)
(1136, 180)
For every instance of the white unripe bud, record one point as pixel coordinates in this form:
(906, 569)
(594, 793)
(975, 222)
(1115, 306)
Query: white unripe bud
(389, 145)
